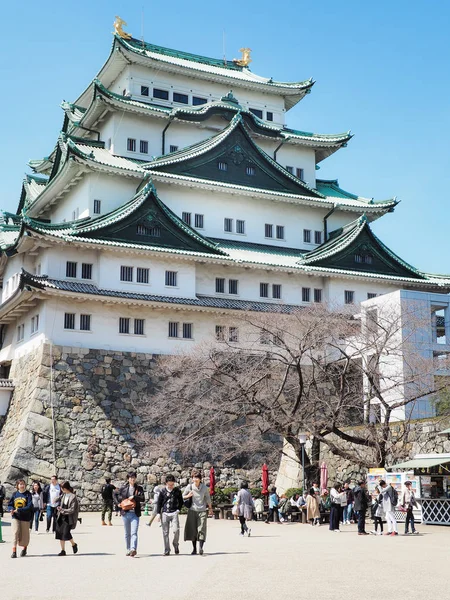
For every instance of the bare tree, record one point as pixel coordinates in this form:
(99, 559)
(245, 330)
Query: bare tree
(318, 369)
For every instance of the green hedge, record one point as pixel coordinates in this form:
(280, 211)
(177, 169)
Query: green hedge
(292, 491)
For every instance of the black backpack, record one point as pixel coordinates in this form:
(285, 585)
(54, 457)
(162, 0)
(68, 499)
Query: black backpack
(394, 497)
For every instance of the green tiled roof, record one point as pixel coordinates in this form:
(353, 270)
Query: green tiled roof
(331, 188)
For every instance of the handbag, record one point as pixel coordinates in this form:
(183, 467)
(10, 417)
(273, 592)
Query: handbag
(188, 501)
(235, 510)
(127, 504)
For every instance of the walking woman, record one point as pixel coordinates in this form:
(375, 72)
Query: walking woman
(38, 504)
(245, 507)
(313, 508)
(21, 508)
(409, 503)
(335, 510)
(196, 494)
(67, 516)
(131, 495)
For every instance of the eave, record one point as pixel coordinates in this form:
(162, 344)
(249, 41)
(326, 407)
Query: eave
(124, 53)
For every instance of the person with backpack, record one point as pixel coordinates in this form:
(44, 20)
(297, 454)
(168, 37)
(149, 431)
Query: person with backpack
(361, 502)
(390, 500)
(21, 508)
(377, 512)
(108, 500)
(409, 503)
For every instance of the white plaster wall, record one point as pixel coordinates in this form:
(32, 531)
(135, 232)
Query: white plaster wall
(293, 156)
(12, 270)
(337, 287)
(112, 190)
(132, 77)
(12, 348)
(255, 211)
(249, 280)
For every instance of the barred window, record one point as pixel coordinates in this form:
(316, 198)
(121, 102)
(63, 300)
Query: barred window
(306, 294)
(220, 285)
(151, 230)
(71, 269)
(34, 324)
(268, 230)
(280, 232)
(187, 331)
(20, 333)
(264, 290)
(250, 170)
(173, 329)
(142, 275)
(349, 297)
(317, 237)
(228, 225)
(97, 207)
(181, 98)
(85, 322)
(220, 333)
(371, 295)
(233, 286)
(269, 115)
(161, 94)
(276, 291)
(69, 320)
(126, 273)
(139, 326)
(222, 166)
(173, 148)
(124, 325)
(318, 295)
(233, 334)
(300, 173)
(143, 147)
(307, 236)
(186, 217)
(240, 226)
(290, 170)
(171, 278)
(131, 145)
(199, 221)
(86, 271)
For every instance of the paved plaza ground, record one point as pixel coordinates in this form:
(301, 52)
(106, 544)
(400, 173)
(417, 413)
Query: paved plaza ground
(288, 561)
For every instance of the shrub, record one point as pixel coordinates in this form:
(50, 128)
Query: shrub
(292, 492)
(220, 497)
(255, 492)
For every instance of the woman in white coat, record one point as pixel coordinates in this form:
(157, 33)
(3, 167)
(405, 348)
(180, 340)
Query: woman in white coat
(245, 507)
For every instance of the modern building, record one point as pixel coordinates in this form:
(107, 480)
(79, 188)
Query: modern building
(176, 195)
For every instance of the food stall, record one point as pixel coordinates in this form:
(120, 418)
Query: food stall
(431, 472)
(397, 480)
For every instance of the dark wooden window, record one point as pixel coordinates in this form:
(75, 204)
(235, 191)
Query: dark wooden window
(258, 113)
(144, 90)
(71, 269)
(86, 271)
(161, 94)
(197, 100)
(181, 98)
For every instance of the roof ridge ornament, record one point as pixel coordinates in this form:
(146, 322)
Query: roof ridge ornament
(245, 60)
(118, 23)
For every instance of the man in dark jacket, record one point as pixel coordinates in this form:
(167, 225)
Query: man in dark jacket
(108, 500)
(170, 502)
(361, 503)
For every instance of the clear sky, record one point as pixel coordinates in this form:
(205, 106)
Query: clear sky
(381, 70)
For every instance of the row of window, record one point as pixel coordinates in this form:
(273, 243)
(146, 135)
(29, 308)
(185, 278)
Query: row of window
(72, 270)
(142, 275)
(300, 173)
(132, 145)
(250, 170)
(182, 98)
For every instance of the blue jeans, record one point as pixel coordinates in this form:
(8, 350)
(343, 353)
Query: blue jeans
(36, 515)
(131, 524)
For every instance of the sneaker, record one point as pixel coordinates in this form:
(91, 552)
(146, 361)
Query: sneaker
(177, 549)
(394, 533)
(380, 533)
(194, 552)
(75, 548)
(200, 551)
(388, 533)
(241, 533)
(62, 553)
(373, 533)
(337, 530)
(128, 553)
(133, 553)
(24, 552)
(167, 553)
(14, 555)
(415, 532)
(249, 533)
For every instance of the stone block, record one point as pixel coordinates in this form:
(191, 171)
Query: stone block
(39, 424)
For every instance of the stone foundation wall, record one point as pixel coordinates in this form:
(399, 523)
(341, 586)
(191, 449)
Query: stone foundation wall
(93, 419)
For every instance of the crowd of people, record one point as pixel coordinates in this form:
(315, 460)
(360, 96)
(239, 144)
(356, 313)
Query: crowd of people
(58, 505)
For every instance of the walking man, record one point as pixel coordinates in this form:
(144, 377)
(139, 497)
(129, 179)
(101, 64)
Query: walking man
(52, 499)
(361, 503)
(108, 500)
(390, 499)
(169, 504)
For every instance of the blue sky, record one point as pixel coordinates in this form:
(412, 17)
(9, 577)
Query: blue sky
(381, 71)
